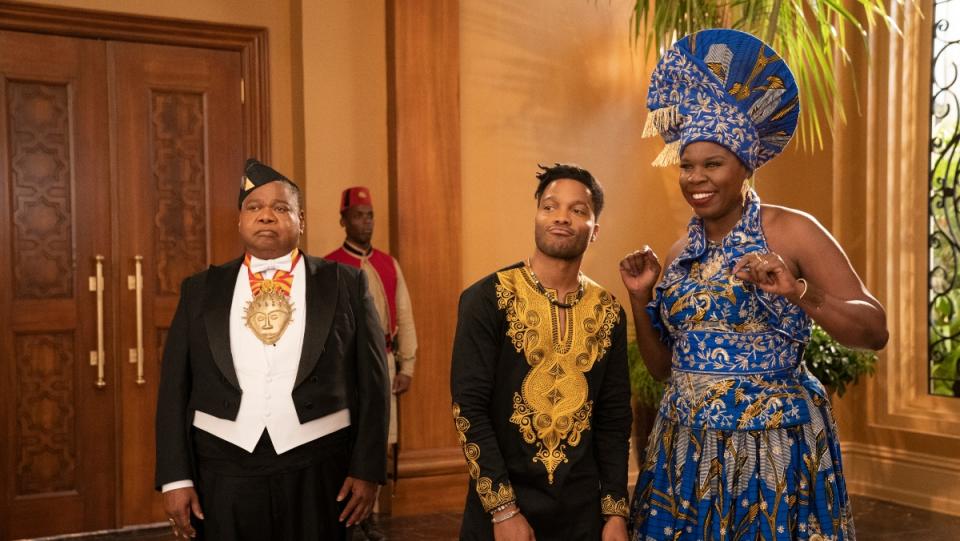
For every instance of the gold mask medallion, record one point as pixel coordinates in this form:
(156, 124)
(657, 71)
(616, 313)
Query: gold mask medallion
(268, 315)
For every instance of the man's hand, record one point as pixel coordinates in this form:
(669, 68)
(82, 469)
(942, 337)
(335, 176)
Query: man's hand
(177, 504)
(362, 496)
(615, 529)
(515, 528)
(401, 383)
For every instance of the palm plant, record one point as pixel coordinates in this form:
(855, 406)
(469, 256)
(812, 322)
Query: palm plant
(811, 35)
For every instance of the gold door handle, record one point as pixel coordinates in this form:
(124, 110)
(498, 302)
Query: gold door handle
(97, 358)
(135, 283)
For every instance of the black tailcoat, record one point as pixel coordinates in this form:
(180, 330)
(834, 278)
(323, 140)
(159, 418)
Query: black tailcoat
(342, 365)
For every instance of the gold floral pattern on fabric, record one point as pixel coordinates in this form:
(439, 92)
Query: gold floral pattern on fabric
(609, 506)
(741, 403)
(711, 292)
(552, 408)
(701, 271)
(489, 497)
(769, 458)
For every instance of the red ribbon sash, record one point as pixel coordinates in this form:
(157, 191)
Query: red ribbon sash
(281, 281)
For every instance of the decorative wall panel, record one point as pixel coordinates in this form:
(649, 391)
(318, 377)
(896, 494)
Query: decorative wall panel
(45, 433)
(179, 168)
(41, 210)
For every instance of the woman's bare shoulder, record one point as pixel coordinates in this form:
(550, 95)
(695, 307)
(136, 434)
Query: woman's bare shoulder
(675, 250)
(785, 221)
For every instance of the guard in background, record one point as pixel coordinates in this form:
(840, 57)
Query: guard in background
(392, 301)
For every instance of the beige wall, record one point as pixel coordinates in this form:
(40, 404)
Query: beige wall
(345, 113)
(545, 82)
(900, 443)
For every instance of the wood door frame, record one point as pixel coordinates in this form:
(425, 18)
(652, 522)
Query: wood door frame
(250, 41)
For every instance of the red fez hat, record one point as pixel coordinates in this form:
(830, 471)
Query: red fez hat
(357, 195)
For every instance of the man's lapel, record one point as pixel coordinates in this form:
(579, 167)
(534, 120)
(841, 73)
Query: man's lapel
(322, 294)
(220, 283)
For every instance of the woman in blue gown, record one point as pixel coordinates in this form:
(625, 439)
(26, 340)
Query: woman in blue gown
(745, 445)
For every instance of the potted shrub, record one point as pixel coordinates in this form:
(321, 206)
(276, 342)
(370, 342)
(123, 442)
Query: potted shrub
(647, 393)
(836, 366)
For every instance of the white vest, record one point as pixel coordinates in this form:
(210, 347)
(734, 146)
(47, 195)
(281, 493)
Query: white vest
(267, 374)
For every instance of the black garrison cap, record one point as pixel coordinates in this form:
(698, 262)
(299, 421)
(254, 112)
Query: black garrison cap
(256, 174)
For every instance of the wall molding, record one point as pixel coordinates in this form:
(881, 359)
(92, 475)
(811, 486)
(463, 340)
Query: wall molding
(423, 116)
(909, 478)
(431, 462)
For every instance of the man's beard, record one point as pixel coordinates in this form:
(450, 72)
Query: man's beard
(573, 248)
(361, 238)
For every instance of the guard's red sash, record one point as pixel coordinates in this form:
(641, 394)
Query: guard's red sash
(383, 264)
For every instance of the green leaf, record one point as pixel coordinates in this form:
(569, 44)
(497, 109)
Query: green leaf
(834, 364)
(646, 390)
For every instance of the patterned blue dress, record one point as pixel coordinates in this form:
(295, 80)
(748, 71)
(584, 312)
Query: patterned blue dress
(744, 446)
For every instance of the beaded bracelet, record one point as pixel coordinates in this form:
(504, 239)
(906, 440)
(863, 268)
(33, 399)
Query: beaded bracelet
(502, 507)
(509, 515)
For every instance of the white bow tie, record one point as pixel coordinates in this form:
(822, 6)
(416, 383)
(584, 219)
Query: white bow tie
(263, 265)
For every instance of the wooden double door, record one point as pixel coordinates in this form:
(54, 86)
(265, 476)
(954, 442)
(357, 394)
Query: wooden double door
(119, 165)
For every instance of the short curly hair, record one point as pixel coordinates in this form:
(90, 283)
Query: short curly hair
(573, 172)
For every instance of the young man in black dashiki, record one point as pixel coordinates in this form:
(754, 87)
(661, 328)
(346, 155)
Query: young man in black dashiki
(541, 396)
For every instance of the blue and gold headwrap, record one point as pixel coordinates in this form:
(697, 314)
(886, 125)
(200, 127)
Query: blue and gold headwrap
(726, 87)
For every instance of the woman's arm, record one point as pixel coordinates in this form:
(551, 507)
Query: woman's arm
(835, 297)
(639, 271)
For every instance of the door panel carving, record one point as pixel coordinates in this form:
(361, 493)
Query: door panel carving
(178, 115)
(45, 434)
(179, 168)
(39, 126)
(56, 446)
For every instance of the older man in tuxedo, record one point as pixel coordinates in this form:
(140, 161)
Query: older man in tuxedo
(271, 419)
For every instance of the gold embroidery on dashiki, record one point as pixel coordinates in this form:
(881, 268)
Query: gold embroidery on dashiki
(552, 409)
(609, 506)
(490, 498)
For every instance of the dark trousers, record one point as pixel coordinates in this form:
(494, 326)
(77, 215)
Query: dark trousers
(262, 496)
(568, 514)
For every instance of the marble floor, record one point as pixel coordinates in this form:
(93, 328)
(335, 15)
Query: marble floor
(875, 521)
